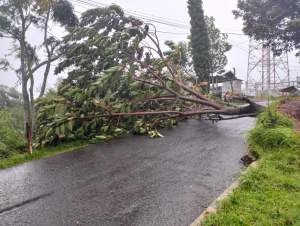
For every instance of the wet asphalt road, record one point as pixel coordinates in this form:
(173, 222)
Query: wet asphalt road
(129, 181)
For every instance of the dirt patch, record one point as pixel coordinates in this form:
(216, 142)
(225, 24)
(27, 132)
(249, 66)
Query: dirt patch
(291, 108)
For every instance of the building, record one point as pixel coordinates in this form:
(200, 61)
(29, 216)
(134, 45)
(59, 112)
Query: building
(290, 91)
(233, 87)
(226, 83)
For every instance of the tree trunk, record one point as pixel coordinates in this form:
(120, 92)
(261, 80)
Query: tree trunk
(32, 105)
(26, 100)
(49, 55)
(45, 79)
(26, 103)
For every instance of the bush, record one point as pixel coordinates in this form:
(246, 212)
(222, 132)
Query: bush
(271, 119)
(273, 131)
(273, 138)
(4, 152)
(11, 138)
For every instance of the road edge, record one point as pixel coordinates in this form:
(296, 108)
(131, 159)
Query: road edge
(213, 207)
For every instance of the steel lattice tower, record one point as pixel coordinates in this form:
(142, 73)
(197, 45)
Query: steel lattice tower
(265, 70)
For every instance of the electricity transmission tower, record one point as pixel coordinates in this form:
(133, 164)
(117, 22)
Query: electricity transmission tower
(266, 72)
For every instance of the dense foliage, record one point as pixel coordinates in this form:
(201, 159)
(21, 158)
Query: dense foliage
(199, 40)
(9, 97)
(276, 23)
(271, 118)
(219, 46)
(11, 137)
(273, 131)
(100, 54)
(11, 122)
(17, 19)
(119, 81)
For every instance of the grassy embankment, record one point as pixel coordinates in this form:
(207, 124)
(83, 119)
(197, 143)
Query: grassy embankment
(19, 158)
(13, 145)
(269, 194)
(12, 142)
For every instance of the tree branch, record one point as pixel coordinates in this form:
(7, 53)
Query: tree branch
(45, 62)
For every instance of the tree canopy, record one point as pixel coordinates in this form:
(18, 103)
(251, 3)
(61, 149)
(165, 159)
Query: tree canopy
(9, 97)
(17, 18)
(218, 43)
(199, 40)
(119, 81)
(275, 22)
(219, 46)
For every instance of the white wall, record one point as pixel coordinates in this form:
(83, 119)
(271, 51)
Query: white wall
(237, 87)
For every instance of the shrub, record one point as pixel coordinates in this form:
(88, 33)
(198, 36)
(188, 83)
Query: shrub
(273, 131)
(4, 152)
(271, 119)
(11, 138)
(273, 138)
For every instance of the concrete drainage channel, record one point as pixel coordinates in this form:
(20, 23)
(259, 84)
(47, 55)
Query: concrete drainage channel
(226, 194)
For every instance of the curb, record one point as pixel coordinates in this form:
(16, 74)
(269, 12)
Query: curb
(213, 208)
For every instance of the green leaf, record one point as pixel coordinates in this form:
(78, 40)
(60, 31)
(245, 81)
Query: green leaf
(101, 137)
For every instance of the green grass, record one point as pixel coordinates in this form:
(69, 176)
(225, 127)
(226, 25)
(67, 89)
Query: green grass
(19, 158)
(269, 194)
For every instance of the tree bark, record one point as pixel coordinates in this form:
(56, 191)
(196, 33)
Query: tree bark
(45, 78)
(49, 55)
(24, 77)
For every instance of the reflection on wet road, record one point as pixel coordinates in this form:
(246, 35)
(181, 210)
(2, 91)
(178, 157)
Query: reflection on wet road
(130, 181)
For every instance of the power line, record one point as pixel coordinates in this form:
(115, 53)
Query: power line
(187, 33)
(155, 19)
(138, 13)
(133, 13)
(173, 33)
(232, 33)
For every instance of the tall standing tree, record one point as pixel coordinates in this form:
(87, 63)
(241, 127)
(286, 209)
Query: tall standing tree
(219, 46)
(17, 18)
(9, 97)
(199, 40)
(276, 23)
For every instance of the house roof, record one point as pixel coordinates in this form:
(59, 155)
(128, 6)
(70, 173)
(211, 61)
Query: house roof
(226, 77)
(290, 89)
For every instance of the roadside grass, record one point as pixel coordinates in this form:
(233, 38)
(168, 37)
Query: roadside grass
(20, 158)
(269, 194)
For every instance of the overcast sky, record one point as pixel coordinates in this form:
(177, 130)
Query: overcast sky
(174, 11)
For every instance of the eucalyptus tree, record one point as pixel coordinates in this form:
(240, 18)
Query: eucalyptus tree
(17, 19)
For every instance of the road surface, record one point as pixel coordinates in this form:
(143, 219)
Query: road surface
(130, 181)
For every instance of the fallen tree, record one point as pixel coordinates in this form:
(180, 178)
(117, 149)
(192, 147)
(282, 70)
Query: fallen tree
(120, 80)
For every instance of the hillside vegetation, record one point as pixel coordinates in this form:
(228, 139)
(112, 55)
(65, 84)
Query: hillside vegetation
(269, 194)
(11, 136)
